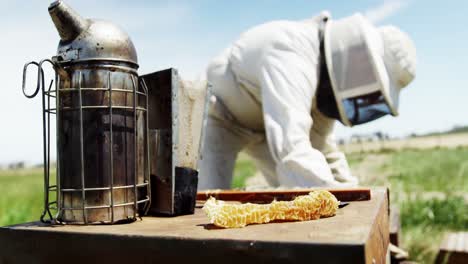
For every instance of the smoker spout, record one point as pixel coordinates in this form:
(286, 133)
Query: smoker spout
(68, 22)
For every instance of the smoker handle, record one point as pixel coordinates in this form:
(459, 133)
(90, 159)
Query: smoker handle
(40, 76)
(46, 129)
(38, 86)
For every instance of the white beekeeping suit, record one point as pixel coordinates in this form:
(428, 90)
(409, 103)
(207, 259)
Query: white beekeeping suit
(265, 104)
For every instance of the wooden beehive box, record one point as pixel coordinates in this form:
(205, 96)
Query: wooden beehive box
(359, 233)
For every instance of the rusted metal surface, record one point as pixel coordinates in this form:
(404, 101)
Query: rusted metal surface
(90, 39)
(185, 190)
(162, 91)
(173, 185)
(100, 108)
(69, 24)
(109, 144)
(357, 234)
(267, 196)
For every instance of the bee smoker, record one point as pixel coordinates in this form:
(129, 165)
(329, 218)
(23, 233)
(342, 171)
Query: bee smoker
(101, 113)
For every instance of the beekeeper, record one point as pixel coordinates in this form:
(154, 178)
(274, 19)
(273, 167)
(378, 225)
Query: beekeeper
(280, 87)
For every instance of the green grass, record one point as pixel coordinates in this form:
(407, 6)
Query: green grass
(442, 170)
(425, 221)
(244, 169)
(21, 197)
(428, 186)
(448, 213)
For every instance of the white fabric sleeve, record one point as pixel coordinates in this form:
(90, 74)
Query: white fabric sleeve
(288, 83)
(322, 139)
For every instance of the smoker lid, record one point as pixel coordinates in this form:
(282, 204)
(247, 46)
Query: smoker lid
(101, 41)
(90, 39)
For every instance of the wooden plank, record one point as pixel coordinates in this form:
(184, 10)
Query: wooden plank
(454, 249)
(377, 244)
(267, 196)
(395, 225)
(352, 236)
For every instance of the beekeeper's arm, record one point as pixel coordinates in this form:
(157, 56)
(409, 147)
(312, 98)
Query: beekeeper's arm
(322, 138)
(288, 84)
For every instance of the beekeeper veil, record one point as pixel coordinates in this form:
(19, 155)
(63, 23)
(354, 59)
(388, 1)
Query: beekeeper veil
(367, 67)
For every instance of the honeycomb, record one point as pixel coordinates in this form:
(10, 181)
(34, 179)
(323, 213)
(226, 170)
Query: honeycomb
(313, 206)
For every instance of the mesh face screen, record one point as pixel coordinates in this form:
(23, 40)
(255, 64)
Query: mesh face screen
(356, 71)
(363, 109)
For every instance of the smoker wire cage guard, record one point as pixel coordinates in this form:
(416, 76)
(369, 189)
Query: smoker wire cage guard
(101, 114)
(104, 134)
(76, 201)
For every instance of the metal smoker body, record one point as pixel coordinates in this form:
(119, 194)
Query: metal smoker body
(102, 123)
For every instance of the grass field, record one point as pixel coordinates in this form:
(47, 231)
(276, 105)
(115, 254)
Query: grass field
(21, 197)
(429, 185)
(451, 140)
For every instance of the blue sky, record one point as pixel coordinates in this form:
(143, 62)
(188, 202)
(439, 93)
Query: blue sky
(187, 34)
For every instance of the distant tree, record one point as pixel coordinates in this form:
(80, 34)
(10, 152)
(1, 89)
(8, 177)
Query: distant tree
(458, 129)
(16, 165)
(379, 135)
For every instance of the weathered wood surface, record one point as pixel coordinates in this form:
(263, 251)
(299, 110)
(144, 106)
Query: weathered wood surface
(395, 226)
(454, 249)
(266, 196)
(359, 233)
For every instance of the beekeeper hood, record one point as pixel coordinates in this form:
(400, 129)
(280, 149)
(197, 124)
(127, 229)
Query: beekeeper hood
(367, 68)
